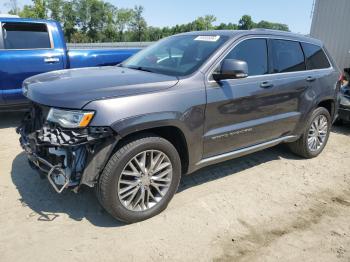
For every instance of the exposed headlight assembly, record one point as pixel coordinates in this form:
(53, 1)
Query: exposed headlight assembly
(70, 118)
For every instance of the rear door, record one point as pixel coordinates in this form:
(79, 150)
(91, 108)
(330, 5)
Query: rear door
(27, 50)
(318, 66)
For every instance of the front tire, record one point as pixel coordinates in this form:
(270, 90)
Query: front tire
(140, 179)
(315, 137)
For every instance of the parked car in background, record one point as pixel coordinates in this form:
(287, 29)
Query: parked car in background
(344, 108)
(29, 47)
(186, 102)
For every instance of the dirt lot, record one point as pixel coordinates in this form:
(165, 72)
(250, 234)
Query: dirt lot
(269, 206)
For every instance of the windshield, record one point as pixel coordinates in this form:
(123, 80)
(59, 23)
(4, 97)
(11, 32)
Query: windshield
(177, 56)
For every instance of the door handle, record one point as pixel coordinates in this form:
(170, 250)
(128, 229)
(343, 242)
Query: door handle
(266, 84)
(51, 60)
(310, 79)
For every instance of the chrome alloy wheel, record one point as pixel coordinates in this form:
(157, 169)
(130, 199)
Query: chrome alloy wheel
(145, 180)
(317, 133)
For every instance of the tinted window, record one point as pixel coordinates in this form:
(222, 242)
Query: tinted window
(315, 57)
(25, 36)
(287, 56)
(254, 52)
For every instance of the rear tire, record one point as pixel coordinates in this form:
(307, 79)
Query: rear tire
(312, 141)
(131, 173)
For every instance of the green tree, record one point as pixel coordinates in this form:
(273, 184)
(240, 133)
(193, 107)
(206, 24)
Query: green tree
(208, 22)
(138, 24)
(55, 8)
(40, 8)
(198, 24)
(154, 33)
(274, 26)
(69, 20)
(92, 17)
(98, 21)
(124, 18)
(109, 31)
(27, 12)
(79, 37)
(37, 10)
(229, 26)
(246, 23)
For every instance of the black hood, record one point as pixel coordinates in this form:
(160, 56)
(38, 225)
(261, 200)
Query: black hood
(76, 87)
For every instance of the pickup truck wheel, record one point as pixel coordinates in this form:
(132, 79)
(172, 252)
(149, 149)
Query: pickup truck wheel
(140, 179)
(315, 137)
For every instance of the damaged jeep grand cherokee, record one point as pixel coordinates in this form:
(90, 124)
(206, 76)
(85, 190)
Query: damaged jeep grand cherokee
(186, 102)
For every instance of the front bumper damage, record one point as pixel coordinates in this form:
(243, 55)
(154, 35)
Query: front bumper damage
(67, 157)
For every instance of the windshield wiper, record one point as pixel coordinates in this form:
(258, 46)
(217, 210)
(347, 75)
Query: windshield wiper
(139, 68)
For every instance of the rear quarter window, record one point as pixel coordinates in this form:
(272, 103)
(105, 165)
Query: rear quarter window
(25, 36)
(315, 57)
(287, 56)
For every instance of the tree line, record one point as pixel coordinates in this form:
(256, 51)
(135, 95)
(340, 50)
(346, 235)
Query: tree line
(99, 21)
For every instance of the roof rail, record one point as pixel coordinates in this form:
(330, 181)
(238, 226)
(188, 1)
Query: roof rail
(268, 30)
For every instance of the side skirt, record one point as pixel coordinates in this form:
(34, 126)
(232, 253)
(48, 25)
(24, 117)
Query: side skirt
(244, 151)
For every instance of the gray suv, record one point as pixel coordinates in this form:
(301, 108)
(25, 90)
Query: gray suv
(188, 101)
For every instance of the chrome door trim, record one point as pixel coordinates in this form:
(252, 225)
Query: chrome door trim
(267, 37)
(244, 151)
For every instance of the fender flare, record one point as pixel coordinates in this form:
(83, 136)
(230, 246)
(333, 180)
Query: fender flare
(138, 123)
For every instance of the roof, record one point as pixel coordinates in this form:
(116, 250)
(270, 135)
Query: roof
(257, 31)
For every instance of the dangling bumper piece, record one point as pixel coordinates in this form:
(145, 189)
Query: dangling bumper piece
(67, 157)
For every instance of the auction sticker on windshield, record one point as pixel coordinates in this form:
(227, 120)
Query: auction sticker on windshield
(208, 38)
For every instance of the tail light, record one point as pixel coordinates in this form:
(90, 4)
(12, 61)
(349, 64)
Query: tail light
(341, 77)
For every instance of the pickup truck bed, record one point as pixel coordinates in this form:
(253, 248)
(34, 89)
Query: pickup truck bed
(29, 47)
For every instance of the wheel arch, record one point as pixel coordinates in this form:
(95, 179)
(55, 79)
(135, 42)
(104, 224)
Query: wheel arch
(329, 104)
(166, 125)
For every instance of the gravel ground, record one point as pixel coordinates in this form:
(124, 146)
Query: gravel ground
(269, 206)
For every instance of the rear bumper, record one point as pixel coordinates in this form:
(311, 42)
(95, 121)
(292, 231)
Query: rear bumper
(68, 158)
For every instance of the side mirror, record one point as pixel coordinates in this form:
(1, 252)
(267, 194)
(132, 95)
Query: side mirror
(232, 69)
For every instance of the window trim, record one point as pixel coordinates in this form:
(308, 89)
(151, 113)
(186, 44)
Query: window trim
(210, 71)
(268, 64)
(324, 52)
(272, 59)
(2, 44)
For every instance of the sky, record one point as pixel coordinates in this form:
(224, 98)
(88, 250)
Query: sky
(296, 14)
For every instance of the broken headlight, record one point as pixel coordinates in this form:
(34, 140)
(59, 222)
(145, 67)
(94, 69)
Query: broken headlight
(70, 118)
